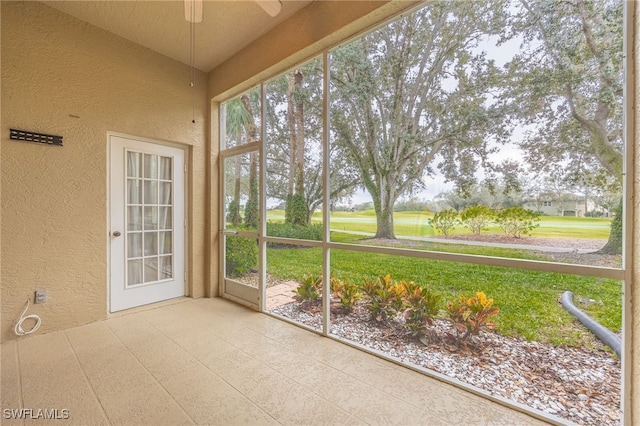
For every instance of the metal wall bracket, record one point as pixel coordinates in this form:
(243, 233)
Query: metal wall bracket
(22, 135)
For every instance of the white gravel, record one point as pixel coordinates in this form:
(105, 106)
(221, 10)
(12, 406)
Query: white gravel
(579, 385)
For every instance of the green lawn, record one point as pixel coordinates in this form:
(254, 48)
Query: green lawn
(417, 224)
(528, 300)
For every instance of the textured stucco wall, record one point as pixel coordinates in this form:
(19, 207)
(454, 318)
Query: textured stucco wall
(65, 77)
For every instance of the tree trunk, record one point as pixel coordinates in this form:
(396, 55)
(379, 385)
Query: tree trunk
(614, 244)
(384, 223)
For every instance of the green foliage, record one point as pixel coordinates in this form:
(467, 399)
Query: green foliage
(444, 221)
(346, 292)
(309, 289)
(241, 256)
(469, 316)
(299, 232)
(295, 211)
(422, 305)
(233, 213)
(517, 221)
(528, 307)
(477, 218)
(411, 205)
(384, 297)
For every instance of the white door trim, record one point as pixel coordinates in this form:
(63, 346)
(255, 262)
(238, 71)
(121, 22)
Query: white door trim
(117, 245)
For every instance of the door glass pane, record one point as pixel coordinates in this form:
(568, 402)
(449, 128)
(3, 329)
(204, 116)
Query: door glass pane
(134, 271)
(150, 269)
(150, 166)
(165, 218)
(134, 164)
(134, 245)
(166, 268)
(166, 242)
(150, 218)
(241, 259)
(150, 192)
(165, 193)
(134, 191)
(150, 243)
(165, 168)
(134, 218)
(242, 191)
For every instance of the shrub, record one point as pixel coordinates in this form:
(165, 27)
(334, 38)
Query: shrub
(422, 306)
(241, 256)
(233, 213)
(347, 293)
(517, 221)
(477, 218)
(309, 289)
(469, 316)
(299, 232)
(445, 220)
(295, 211)
(384, 297)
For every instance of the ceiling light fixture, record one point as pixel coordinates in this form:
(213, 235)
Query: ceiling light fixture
(193, 11)
(272, 7)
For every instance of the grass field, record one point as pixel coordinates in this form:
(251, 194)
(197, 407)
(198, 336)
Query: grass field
(528, 300)
(417, 224)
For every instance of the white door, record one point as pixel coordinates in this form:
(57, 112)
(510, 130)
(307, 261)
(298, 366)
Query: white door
(147, 222)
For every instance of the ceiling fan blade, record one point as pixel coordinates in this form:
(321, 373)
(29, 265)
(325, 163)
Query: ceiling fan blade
(272, 7)
(193, 11)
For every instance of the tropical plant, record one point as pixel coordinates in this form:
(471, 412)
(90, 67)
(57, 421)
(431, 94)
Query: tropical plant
(422, 305)
(346, 292)
(309, 289)
(470, 316)
(384, 297)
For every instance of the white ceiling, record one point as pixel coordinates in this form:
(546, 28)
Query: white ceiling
(227, 27)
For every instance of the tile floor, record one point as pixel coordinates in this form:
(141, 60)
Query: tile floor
(212, 362)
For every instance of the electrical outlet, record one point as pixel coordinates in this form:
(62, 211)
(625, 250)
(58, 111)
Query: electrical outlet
(41, 296)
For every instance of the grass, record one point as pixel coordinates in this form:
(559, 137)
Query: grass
(528, 300)
(417, 224)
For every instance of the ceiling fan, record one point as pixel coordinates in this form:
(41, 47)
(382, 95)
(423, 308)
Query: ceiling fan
(193, 9)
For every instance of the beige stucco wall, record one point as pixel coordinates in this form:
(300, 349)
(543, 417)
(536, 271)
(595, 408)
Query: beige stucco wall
(65, 77)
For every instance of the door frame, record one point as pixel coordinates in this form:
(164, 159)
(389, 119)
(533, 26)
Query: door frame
(253, 298)
(186, 207)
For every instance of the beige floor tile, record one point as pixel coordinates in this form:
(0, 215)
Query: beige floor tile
(210, 361)
(148, 405)
(59, 385)
(144, 346)
(91, 338)
(210, 400)
(114, 370)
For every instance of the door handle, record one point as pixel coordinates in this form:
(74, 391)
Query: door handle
(116, 234)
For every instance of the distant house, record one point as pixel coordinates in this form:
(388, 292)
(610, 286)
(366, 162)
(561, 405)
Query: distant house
(562, 205)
